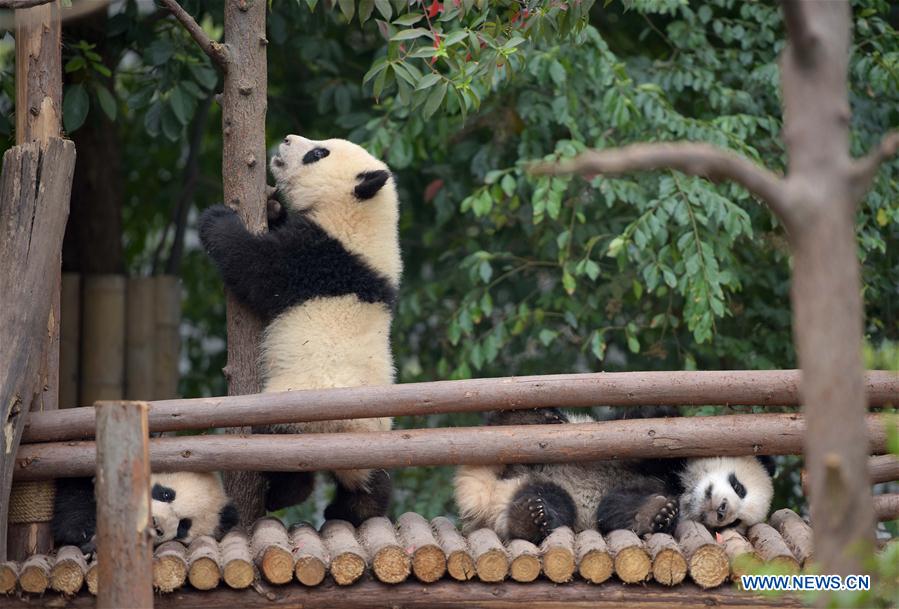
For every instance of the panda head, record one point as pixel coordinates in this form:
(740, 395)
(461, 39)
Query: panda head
(186, 505)
(345, 190)
(727, 492)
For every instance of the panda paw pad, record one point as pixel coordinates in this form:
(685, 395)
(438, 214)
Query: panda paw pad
(537, 509)
(666, 515)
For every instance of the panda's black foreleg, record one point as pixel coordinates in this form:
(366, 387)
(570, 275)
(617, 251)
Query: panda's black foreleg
(537, 509)
(74, 520)
(640, 510)
(360, 504)
(531, 416)
(287, 488)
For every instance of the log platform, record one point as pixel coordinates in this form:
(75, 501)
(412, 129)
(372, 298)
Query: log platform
(410, 561)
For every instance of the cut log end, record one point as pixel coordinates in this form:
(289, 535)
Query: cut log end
(709, 566)
(310, 571)
(347, 556)
(91, 577)
(428, 563)
(169, 566)
(9, 573)
(595, 564)
(416, 536)
(276, 565)
(347, 568)
(525, 564)
(204, 573)
(460, 566)
(490, 560)
(310, 553)
(67, 577)
(669, 567)
(35, 575)
(558, 555)
(632, 562)
(237, 569)
(459, 563)
(390, 563)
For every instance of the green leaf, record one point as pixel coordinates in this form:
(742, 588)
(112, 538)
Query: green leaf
(206, 76)
(75, 107)
(348, 8)
(384, 8)
(455, 38)
(434, 99)
(547, 336)
(366, 7)
(633, 344)
(569, 282)
(158, 52)
(171, 126)
(485, 271)
(416, 32)
(509, 185)
(182, 104)
(408, 19)
(74, 64)
(598, 345)
(311, 4)
(592, 270)
(557, 73)
(379, 66)
(107, 102)
(428, 80)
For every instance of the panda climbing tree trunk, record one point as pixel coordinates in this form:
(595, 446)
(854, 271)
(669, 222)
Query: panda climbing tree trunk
(242, 60)
(816, 202)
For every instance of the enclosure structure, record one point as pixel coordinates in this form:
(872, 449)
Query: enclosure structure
(413, 561)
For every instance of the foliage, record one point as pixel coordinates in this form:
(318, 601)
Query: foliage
(507, 273)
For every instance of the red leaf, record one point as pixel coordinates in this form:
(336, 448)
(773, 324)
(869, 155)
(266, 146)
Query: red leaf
(435, 8)
(432, 189)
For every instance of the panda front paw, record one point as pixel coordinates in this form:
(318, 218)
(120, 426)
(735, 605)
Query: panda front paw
(657, 515)
(212, 221)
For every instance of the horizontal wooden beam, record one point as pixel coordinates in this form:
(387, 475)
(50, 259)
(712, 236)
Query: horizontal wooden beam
(764, 434)
(886, 507)
(760, 388)
(445, 594)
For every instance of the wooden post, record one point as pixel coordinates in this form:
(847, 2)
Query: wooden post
(103, 338)
(167, 294)
(140, 339)
(39, 118)
(69, 339)
(124, 541)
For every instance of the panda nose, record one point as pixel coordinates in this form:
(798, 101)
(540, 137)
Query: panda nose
(722, 510)
(287, 141)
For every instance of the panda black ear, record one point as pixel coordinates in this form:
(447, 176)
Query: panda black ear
(769, 463)
(372, 182)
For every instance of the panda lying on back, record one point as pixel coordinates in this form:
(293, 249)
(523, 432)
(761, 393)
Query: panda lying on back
(183, 505)
(325, 279)
(646, 496)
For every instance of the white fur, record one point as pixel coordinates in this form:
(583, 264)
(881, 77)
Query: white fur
(198, 496)
(342, 341)
(702, 473)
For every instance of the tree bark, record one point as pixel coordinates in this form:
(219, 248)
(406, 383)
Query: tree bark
(761, 388)
(34, 192)
(124, 542)
(628, 439)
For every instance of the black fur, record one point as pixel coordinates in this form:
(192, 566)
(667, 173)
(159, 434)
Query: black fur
(229, 518)
(285, 267)
(534, 416)
(537, 509)
(358, 506)
(287, 488)
(372, 182)
(74, 514)
(162, 493)
(183, 528)
(639, 508)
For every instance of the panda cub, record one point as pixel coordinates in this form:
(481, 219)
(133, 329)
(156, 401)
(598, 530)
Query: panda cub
(184, 505)
(645, 496)
(325, 280)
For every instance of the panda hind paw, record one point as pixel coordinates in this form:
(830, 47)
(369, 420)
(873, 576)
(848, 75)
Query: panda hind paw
(666, 517)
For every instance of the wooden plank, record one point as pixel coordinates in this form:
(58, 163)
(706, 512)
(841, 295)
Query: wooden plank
(761, 388)
(124, 541)
(447, 594)
(34, 203)
(682, 437)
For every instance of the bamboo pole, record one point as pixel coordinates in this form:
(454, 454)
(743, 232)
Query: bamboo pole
(762, 388)
(124, 544)
(636, 438)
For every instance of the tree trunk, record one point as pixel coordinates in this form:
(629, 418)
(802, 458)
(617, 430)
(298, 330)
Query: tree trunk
(244, 102)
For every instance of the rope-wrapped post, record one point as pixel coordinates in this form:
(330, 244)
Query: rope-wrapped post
(124, 544)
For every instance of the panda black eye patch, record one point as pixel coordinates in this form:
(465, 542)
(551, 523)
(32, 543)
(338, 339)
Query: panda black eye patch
(163, 493)
(316, 154)
(738, 487)
(183, 528)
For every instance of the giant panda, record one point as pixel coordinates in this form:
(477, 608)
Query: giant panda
(645, 496)
(325, 279)
(183, 506)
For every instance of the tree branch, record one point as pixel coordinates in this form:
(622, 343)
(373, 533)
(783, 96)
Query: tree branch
(216, 50)
(14, 4)
(864, 170)
(802, 38)
(697, 159)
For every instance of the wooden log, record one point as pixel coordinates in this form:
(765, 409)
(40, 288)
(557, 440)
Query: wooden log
(795, 532)
(69, 339)
(632, 562)
(124, 540)
(707, 561)
(594, 561)
(140, 339)
(9, 574)
(558, 555)
(524, 557)
(772, 548)
(170, 566)
(473, 395)
(92, 577)
(389, 561)
(886, 507)
(237, 562)
(167, 294)
(685, 436)
(204, 560)
(310, 553)
(669, 567)
(35, 186)
(742, 556)
(883, 468)
(103, 338)
(34, 576)
(347, 556)
(271, 550)
(69, 568)
(416, 536)
(490, 559)
(459, 563)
